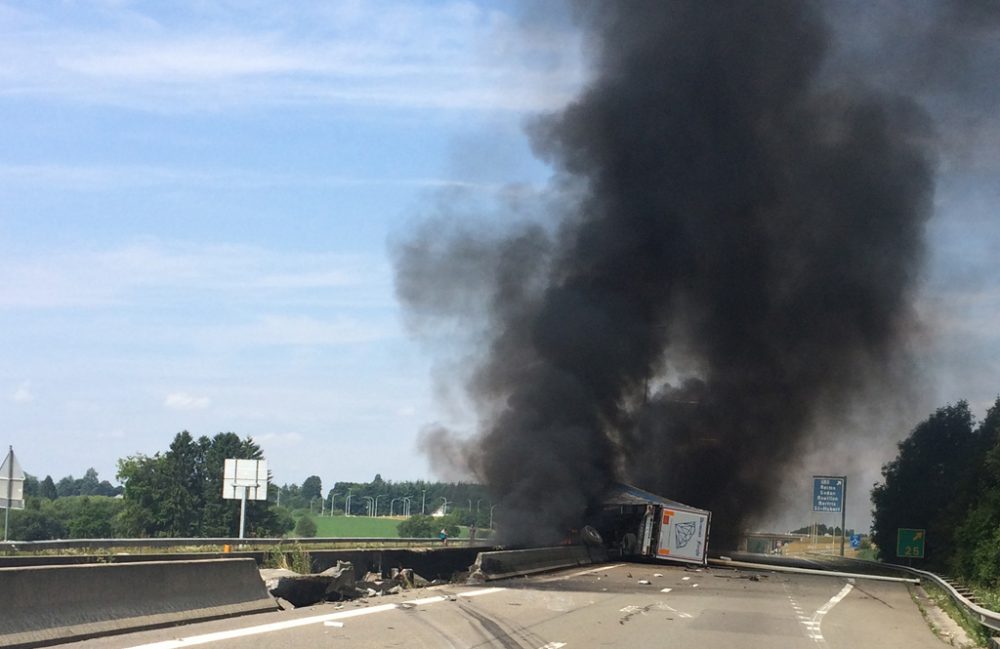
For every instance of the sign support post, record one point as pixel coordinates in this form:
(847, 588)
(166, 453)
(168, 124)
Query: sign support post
(10, 492)
(843, 519)
(243, 513)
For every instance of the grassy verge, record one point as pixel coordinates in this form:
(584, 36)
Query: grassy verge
(988, 598)
(977, 632)
(356, 526)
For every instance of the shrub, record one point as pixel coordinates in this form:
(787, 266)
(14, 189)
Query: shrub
(306, 527)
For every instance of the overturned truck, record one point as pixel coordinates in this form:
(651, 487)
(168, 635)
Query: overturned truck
(636, 523)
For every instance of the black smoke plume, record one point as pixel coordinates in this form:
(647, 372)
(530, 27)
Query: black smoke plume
(736, 239)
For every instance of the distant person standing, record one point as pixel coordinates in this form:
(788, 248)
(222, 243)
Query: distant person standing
(443, 535)
(472, 534)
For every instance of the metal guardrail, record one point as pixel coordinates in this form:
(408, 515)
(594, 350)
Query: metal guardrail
(159, 543)
(986, 617)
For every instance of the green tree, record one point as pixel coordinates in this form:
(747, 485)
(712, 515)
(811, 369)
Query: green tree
(312, 487)
(976, 541)
(33, 524)
(68, 486)
(179, 493)
(89, 484)
(421, 526)
(47, 488)
(930, 483)
(31, 486)
(86, 517)
(306, 527)
(417, 527)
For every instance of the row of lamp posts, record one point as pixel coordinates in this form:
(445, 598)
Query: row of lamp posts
(372, 504)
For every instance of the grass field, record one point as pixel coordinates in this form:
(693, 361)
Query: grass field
(361, 526)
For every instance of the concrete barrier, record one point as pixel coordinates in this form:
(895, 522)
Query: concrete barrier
(47, 604)
(513, 563)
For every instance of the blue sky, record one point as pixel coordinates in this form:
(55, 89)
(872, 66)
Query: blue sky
(195, 204)
(196, 200)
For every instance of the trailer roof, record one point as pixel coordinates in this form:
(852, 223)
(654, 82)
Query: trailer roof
(625, 494)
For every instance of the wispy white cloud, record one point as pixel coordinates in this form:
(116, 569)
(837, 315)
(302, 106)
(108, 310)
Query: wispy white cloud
(299, 330)
(185, 401)
(23, 393)
(438, 55)
(150, 270)
(98, 178)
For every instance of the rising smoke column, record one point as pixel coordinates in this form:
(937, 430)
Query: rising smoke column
(739, 231)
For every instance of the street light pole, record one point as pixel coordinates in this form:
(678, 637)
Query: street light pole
(492, 507)
(376, 501)
(423, 503)
(371, 501)
(444, 507)
(347, 507)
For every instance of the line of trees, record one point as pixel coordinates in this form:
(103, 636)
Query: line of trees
(946, 480)
(89, 485)
(178, 493)
(70, 508)
(468, 501)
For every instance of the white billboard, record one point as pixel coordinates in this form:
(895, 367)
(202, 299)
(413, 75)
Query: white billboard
(683, 535)
(239, 476)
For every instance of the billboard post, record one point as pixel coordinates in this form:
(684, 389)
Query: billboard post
(243, 480)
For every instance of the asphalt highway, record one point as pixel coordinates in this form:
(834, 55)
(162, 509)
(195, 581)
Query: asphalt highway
(617, 605)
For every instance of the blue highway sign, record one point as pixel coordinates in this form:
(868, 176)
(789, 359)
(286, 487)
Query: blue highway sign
(828, 493)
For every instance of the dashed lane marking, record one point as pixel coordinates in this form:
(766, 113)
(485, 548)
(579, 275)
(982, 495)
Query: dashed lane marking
(813, 624)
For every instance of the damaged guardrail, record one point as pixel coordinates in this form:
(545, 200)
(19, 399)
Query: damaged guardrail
(989, 619)
(986, 617)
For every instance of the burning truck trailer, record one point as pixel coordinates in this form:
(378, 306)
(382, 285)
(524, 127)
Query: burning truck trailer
(634, 523)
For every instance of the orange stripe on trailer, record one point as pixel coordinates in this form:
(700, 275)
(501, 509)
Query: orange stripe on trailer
(664, 551)
(666, 515)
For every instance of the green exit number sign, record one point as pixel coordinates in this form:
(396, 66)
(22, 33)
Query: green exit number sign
(910, 543)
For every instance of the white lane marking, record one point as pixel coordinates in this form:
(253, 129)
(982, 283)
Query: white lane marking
(685, 615)
(580, 573)
(666, 590)
(484, 591)
(305, 621)
(332, 623)
(694, 585)
(553, 645)
(685, 578)
(813, 625)
(262, 628)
